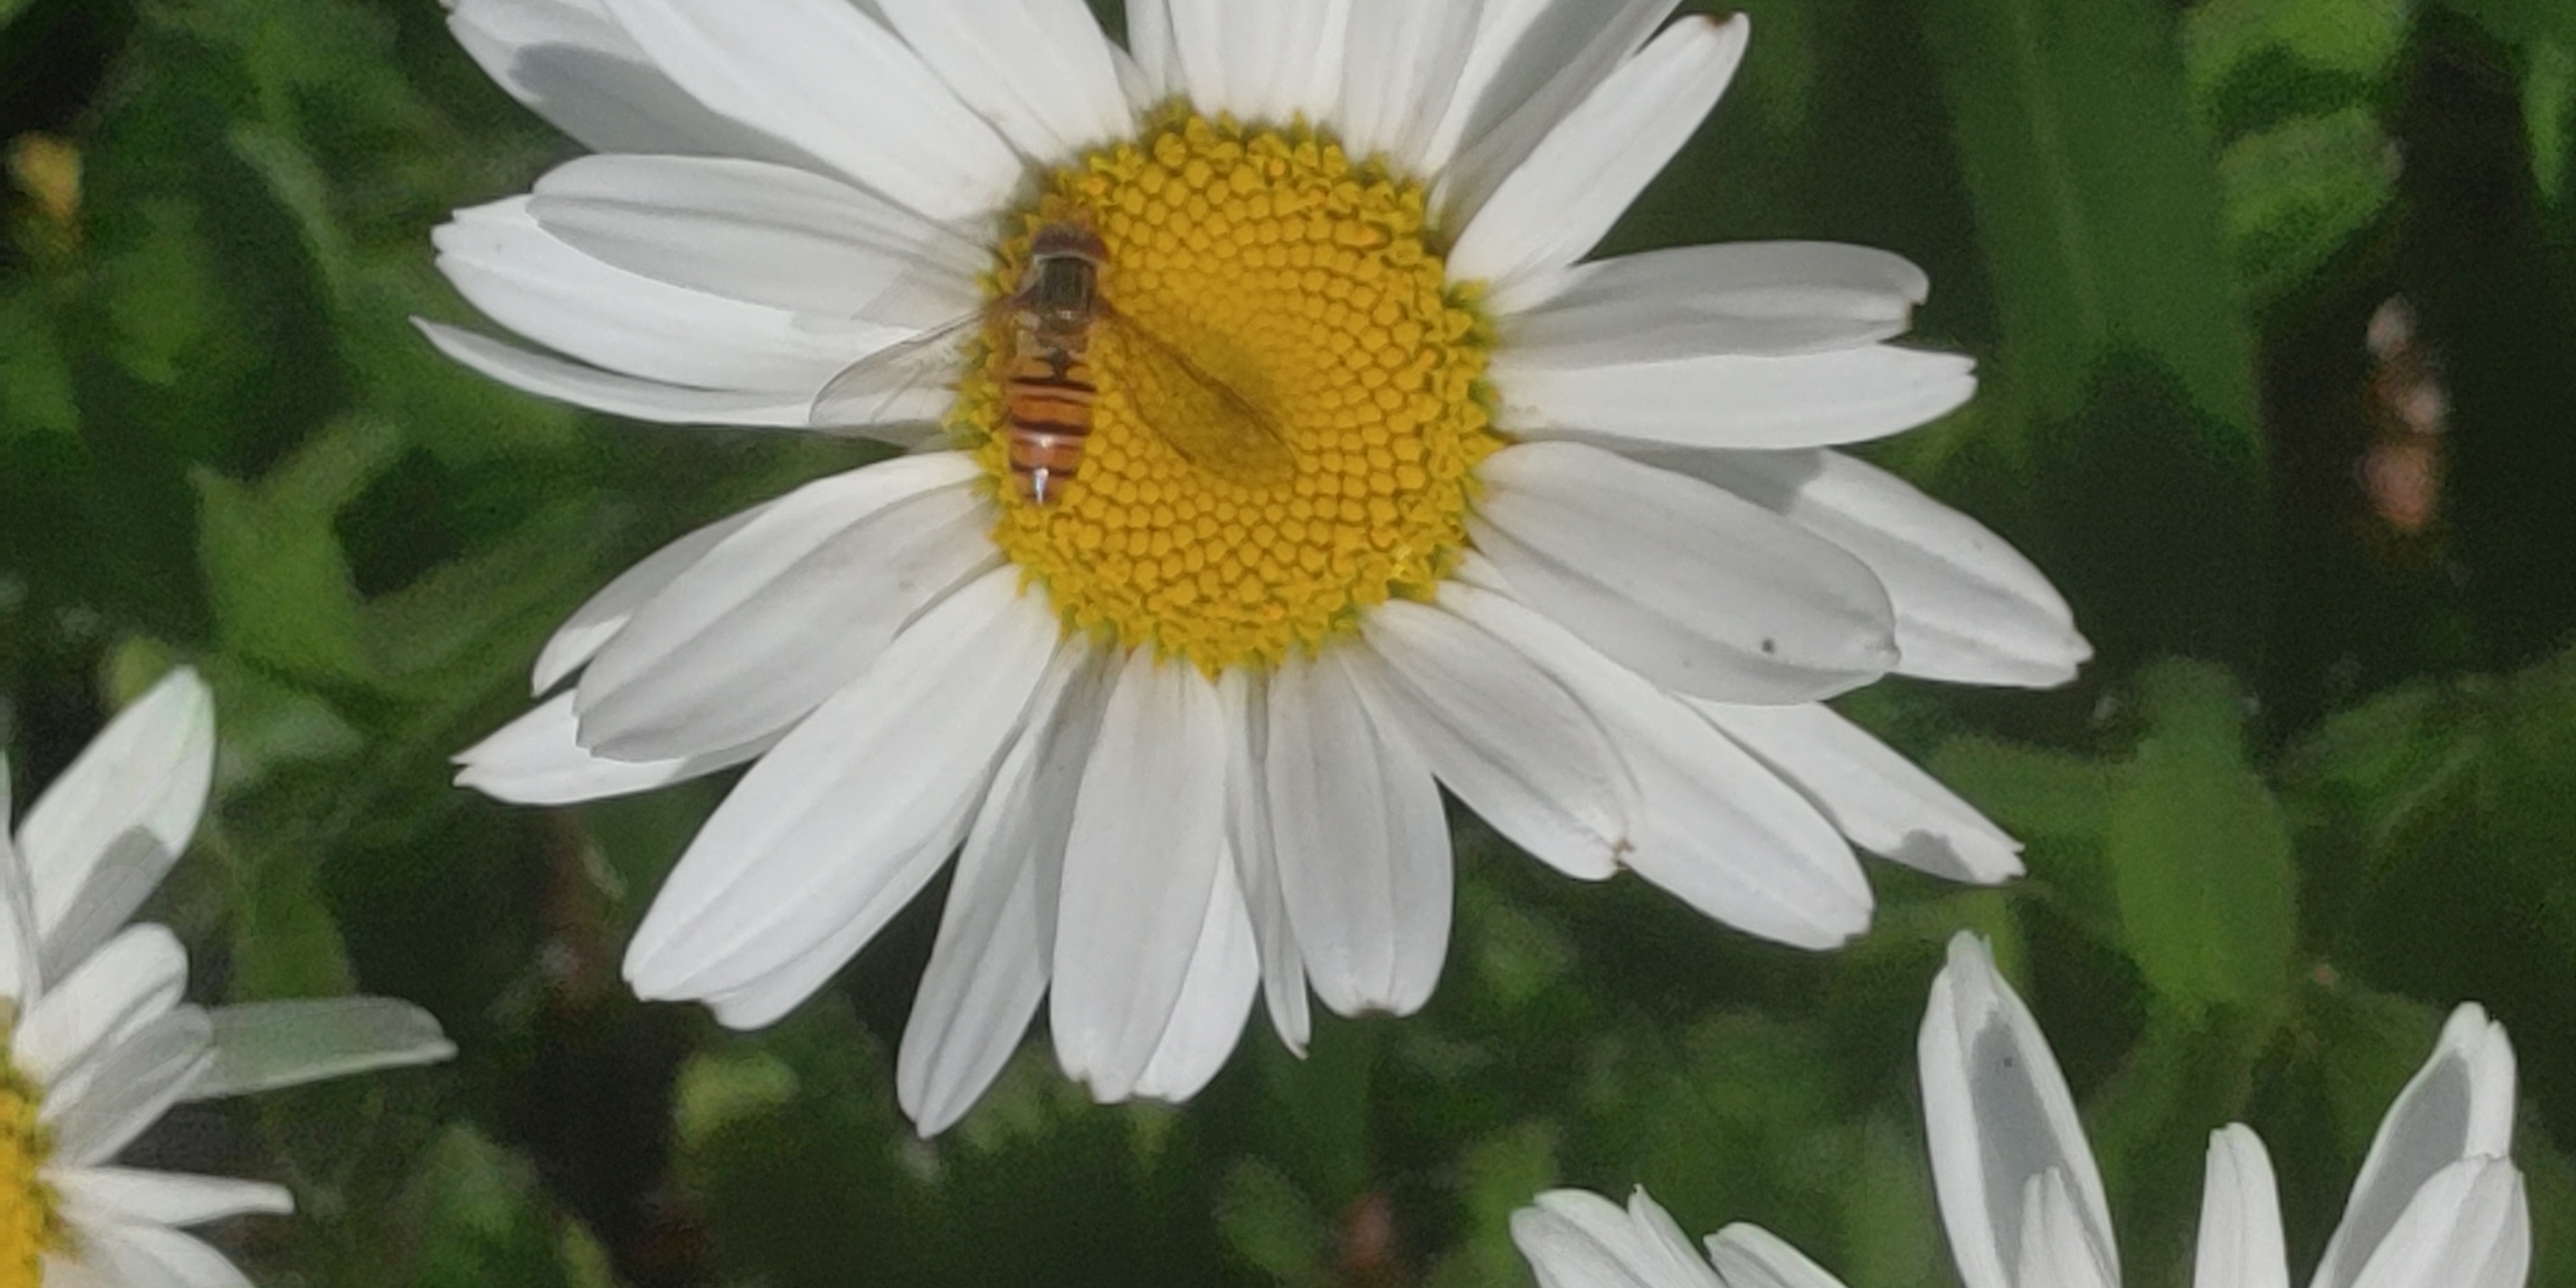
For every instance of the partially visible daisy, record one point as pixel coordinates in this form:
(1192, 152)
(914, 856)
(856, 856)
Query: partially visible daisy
(2439, 1203)
(1561, 537)
(95, 1044)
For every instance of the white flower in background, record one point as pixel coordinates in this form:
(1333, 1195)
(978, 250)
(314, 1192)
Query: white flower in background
(95, 1044)
(1385, 490)
(2439, 1203)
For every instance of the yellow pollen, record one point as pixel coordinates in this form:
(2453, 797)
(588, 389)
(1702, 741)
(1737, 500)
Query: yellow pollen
(1304, 284)
(30, 1214)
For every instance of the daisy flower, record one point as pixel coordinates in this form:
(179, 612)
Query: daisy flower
(1381, 489)
(2439, 1203)
(95, 1044)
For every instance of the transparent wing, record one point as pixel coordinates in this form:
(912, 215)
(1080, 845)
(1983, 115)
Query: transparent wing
(1210, 423)
(908, 381)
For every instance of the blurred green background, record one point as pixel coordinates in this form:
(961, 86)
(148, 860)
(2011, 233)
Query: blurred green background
(2276, 304)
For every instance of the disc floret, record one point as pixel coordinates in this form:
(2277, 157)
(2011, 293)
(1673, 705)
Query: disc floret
(1312, 285)
(30, 1212)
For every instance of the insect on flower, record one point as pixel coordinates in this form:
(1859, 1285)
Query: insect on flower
(1050, 384)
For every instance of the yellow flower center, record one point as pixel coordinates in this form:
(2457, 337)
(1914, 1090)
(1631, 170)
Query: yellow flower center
(1251, 276)
(30, 1216)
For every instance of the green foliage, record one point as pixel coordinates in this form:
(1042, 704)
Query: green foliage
(2099, 201)
(2319, 786)
(2199, 854)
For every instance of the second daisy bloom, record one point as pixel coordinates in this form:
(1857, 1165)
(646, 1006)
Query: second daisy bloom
(1561, 537)
(2439, 1202)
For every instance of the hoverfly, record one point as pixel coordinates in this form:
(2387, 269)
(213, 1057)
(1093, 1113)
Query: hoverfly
(1055, 320)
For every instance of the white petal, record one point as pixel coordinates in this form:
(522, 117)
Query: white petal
(617, 395)
(262, 1046)
(842, 822)
(146, 1256)
(1576, 1239)
(2459, 1105)
(127, 1087)
(122, 1195)
(1261, 63)
(1763, 298)
(1039, 70)
(130, 981)
(1686, 584)
(2468, 1227)
(768, 998)
(2056, 1245)
(1663, 1248)
(1253, 839)
(2240, 1216)
(989, 968)
(1735, 401)
(1969, 607)
(1301, 74)
(1157, 59)
(1498, 30)
(1362, 842)
(1400, 70)
(1560, 200)
(1148, 834)
(1533, 62)
(526, 279)
(786, 611)
(826, 77)
(1748, 1256)
(538, 759)
(604, 614)
(1999, 1118)
(1881, 800)
(572, 66)
(1216, 996)
(767, 234)
(126, 806)
(1197, 31)
(1711, 824)
(22, 973)
(1502, 733)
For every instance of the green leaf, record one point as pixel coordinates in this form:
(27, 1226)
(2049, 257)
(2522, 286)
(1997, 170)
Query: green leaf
(459, 626)
(274, 569)
(35, 382)
(1891, 1230)
(2258, 64)
(302, 191)
(2200, 852)
(718, 1090)
(159, 292)
(2097, 199)
(2549, 115)
(1497, 1176)
(1271, 1224)
(478, 1219)
(2363, 1045)
(2522, 22)
(2029, 790)
(285, 941)
(2184, 1077)
(2358, 38)
(2298, 194)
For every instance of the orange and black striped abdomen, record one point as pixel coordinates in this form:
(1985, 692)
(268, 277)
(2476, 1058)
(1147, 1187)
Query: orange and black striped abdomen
(1047, 404)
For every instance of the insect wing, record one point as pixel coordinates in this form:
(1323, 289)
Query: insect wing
(909, 381)
(1209, 422)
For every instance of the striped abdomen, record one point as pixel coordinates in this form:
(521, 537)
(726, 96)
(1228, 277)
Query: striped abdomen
(1047, 404)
